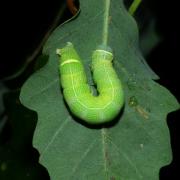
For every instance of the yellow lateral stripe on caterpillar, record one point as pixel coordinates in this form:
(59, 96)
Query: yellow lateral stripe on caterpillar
(103, 51)
(69, 61)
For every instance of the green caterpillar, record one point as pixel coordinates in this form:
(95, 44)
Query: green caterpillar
(93, 109)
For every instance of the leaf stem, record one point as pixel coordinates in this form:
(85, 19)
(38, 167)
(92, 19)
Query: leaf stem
(135, 4)
(106, 22)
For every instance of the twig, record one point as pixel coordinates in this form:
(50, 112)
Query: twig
(134, 6)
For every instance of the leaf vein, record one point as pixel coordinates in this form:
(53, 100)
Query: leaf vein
(55, 135)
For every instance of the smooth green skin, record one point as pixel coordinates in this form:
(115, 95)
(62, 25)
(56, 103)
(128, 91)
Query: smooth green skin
(93, 109)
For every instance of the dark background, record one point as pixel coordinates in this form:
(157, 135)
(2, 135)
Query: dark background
(24, 24)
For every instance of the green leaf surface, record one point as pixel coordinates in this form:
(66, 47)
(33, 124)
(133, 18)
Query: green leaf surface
(133, 148)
